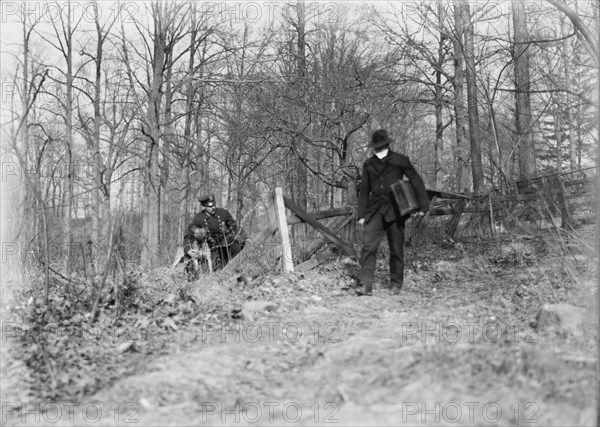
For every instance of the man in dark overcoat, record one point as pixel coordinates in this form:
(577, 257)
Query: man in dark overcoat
(224, 236)
(379, 213)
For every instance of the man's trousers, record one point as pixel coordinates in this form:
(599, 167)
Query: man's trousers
(374, 230)
(223, 254)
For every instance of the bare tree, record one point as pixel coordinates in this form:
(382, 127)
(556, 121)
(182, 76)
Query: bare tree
(523, 118)
(301, 173)
(24, 210)
(589, 39)
(64, 26)
(159, 41)
(191, 170)
(439, 94)
(473, 109)
(460, 109)
(100, 191)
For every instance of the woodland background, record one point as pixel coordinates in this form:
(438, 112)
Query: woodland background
(115, 115)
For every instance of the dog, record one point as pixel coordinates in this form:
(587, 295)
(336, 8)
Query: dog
(198, 259)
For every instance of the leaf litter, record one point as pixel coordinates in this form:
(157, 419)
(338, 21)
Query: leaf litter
(461, 331)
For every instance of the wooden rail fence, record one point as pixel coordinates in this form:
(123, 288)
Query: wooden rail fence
(546, 193)
(341, 233)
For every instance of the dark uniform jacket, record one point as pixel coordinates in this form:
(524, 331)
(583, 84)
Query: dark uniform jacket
(222, 228)
(375, 186)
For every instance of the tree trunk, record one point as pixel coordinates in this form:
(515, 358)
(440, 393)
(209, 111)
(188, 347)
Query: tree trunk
(239, 207)
(439, 125)
(474, 130)
(495, 153)
(106, 168)
(152, 183)
(570, 104)
(559, 139)
(184, 178)
(168, 142)
(301, 191)
(68, 168)
(301, 197)
(198, 178)
(460, 110)
(572, 140)
(526, 150)
(97, 190)
(28, 215)
(579, 135)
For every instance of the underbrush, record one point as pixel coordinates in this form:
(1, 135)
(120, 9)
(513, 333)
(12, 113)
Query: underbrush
(69, 353)
(59, 343)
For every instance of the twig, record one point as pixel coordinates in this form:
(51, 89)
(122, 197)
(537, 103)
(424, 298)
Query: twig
(70, 281)
(556, 299)
(46, 255)
(84, 261)
(342, 392)
(117, 242)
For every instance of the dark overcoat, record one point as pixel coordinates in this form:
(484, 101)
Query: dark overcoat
(221, 227)
(375, 186)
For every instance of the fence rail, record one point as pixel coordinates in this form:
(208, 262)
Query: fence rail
(546, 193)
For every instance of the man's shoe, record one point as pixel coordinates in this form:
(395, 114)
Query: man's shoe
(395, 288)
(366, 290)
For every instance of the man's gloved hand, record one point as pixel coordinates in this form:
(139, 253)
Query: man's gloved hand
(241, 237)
(228, 238)
(360, 223)
(212, 243)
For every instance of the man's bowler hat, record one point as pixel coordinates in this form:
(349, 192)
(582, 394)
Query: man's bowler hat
(380, 139)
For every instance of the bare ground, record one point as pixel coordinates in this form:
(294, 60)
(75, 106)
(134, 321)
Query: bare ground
(459, 346)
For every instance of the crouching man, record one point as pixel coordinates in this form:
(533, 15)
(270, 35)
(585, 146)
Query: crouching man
(225, 238)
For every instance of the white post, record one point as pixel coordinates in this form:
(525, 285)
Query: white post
(286, 247)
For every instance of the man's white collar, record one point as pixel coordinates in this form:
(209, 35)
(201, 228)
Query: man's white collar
(382, 153)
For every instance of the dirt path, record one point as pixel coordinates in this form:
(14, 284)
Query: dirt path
(457, 347)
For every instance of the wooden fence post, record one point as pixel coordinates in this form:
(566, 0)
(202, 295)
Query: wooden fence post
(274, 250)
(453, 224)
(562, 201)
(492, 219)
(286, 248)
